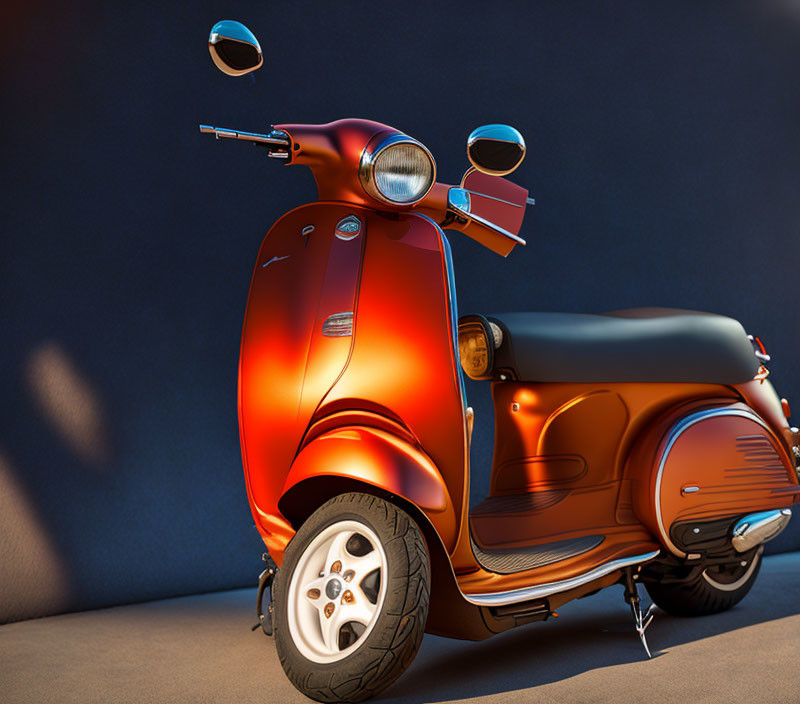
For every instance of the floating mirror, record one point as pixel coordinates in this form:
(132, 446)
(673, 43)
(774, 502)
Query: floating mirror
(495, 149)
(234, 48)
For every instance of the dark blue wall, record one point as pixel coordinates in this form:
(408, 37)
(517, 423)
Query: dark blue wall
(664, 155)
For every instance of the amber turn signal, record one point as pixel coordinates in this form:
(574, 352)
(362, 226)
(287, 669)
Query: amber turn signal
(476, 347)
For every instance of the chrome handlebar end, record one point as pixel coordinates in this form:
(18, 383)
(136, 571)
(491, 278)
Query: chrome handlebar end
(273, 141)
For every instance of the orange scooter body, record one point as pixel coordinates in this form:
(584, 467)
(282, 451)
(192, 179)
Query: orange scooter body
(586, 458)
(349, 380)
(349, 407)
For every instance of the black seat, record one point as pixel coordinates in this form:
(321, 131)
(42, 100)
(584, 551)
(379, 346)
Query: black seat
(636, 345)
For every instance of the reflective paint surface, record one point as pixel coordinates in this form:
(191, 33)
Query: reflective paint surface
(385, 406)
(286, 363)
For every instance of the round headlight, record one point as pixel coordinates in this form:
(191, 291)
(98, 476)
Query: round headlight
(399, 170)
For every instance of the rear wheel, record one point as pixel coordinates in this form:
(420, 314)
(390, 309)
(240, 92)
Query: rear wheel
(709, 591)
(351, 599)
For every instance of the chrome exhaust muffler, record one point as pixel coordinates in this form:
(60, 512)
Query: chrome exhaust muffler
(757, 528)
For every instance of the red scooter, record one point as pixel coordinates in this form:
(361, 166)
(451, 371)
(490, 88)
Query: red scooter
(642, 446)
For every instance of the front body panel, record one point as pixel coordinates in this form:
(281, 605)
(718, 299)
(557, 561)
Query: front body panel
(398, 363)
(404, 359)
(286, 364)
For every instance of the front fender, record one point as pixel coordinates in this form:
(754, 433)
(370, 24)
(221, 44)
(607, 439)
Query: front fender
(379, 459)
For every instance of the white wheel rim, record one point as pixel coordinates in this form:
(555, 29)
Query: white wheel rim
(733, 586)
(326, 593)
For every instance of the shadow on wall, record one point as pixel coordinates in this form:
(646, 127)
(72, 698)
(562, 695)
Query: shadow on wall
(33, 580)
(69, 404)
(84, 524)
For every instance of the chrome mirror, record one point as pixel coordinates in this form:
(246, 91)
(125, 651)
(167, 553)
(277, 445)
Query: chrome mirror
(495, 149)
(234, 48)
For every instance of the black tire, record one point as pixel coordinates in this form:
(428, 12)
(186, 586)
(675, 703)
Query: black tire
(710, 591)
(389, 648)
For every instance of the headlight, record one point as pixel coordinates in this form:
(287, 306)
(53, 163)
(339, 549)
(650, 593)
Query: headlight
(398, 170)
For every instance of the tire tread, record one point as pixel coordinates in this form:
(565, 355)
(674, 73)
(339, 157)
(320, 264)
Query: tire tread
(407, 626)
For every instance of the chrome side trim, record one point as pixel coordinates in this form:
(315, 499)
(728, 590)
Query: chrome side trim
(499, 200)
(338, 325)
(275, 259)
(675, 432)
(453, 301)
(515, 596)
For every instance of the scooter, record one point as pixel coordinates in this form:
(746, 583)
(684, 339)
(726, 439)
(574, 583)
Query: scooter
(642, 446)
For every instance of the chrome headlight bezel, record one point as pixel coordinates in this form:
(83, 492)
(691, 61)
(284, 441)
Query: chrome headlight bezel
(366, 168)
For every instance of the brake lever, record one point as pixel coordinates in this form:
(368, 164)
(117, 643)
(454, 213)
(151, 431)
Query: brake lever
(276, 138)
(459, 202)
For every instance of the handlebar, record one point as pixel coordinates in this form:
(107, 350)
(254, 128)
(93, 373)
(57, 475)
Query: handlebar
(332, 152)
(276, 138)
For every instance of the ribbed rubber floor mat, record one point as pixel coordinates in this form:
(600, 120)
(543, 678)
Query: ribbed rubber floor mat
(510, 560)
(520, 503)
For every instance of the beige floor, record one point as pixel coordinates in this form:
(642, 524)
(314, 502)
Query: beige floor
(200, 649)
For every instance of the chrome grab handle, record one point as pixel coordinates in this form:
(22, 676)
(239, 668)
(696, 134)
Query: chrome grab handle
(276, 138)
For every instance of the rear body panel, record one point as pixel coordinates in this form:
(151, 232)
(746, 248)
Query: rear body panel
(575, 460)
(709, 463)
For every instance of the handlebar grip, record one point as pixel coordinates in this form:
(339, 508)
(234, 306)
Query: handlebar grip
(275, 139)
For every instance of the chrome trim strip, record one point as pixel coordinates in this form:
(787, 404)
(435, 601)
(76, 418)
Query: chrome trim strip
(275, 259)
(496, 228)
(499, 200)
(675, 432)
(338, 325)
(453, 300)
(542, 590)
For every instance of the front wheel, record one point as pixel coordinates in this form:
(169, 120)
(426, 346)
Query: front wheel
(351, 599)
(714, 589)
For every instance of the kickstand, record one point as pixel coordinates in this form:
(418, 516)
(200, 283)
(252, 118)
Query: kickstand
(641, 621)
(265, 580)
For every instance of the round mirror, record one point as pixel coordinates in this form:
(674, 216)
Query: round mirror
(234, 48)
(495, 149)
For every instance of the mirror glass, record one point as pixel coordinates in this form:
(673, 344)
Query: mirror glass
(234, 48)
(495, 149)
